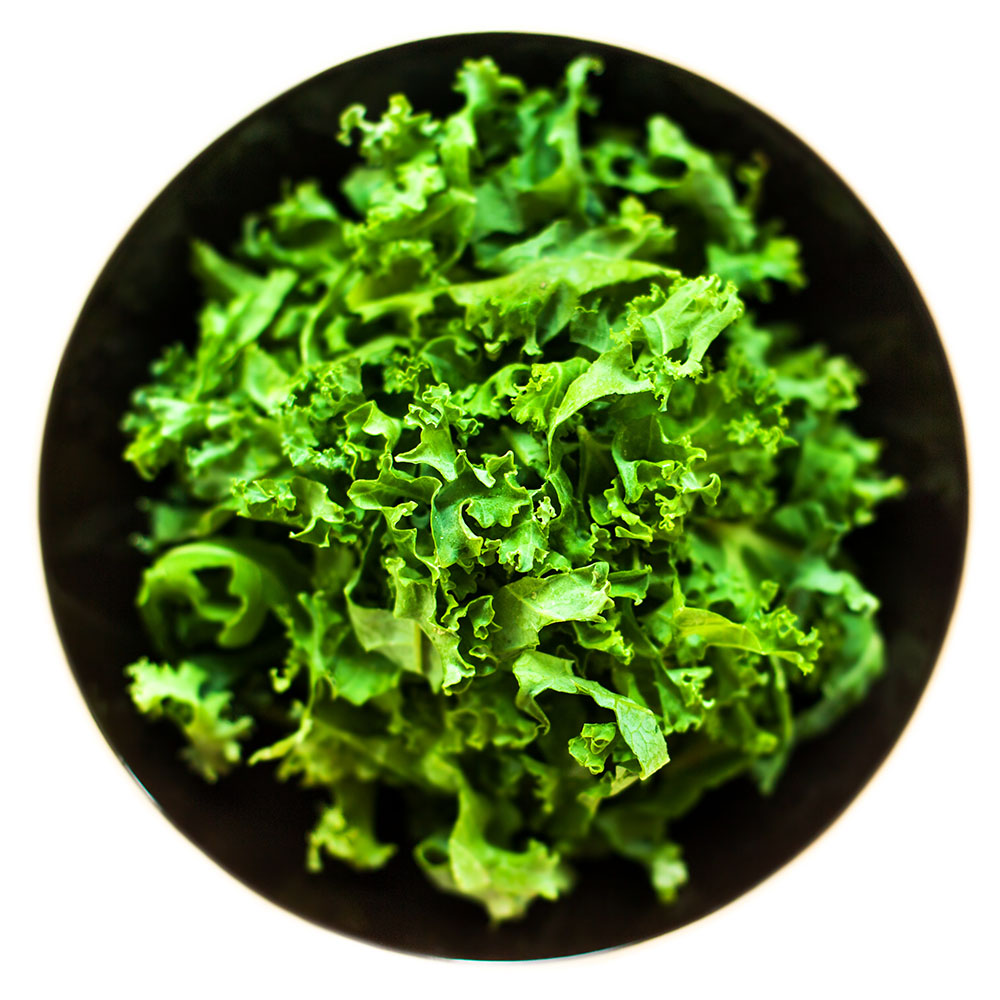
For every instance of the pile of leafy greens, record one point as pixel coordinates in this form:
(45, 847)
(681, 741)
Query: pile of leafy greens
(482, 482)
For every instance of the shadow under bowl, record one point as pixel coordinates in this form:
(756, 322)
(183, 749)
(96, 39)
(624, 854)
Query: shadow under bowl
(860, 300)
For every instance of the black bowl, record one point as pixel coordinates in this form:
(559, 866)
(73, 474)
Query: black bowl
(861, 300)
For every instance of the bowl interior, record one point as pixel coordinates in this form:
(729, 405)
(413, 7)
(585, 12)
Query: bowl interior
(860, 299)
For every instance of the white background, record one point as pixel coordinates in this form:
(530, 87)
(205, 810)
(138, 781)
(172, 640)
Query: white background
(102, 104)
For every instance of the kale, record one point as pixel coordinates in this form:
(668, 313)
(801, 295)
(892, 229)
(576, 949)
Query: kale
(491, 488)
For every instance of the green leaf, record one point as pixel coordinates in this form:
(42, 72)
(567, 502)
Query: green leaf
(528, 605)
(537, 672)
(610, 374)
(773, 634)
(301, 503)
(504, 881)
(346, 831)
(184, 695)
(261, 579)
